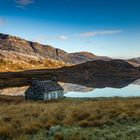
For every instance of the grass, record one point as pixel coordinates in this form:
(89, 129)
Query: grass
(125, 132)
(18, 65)
(75, 119)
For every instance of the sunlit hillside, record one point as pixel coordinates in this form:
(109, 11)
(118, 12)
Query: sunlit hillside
(17, 65)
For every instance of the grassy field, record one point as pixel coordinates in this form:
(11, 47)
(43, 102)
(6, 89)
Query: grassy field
(70, 119)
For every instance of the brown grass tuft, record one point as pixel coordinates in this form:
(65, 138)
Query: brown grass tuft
(19, 117)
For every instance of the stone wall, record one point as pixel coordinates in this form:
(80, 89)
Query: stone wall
(44, 90)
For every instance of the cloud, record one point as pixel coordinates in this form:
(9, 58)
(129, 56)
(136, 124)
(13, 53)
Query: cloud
(24, 3)
(106, 32)
(63, 37)
(86, 35)
(2, 21)
(43, 39)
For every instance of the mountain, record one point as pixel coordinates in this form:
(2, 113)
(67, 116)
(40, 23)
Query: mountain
(104, 68)
(22, 54)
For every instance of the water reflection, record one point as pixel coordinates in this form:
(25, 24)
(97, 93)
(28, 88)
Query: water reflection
(69, 87)
(128, 91)
(96, 87)
(136, 82)
(14, 91)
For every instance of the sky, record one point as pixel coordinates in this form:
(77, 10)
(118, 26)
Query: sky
(102, 27)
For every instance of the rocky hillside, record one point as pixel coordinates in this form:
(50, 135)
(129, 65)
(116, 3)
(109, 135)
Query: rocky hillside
(23, 53)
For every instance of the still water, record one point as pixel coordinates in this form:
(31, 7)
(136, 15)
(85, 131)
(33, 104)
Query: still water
(129, 91)
(93, 89)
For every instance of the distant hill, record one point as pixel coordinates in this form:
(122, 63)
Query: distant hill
(27, 55)
(89, 56)
(104, 67)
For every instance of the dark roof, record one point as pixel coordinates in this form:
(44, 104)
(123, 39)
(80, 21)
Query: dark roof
(42, 87)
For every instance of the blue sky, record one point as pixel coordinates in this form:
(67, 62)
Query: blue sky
(103, 27)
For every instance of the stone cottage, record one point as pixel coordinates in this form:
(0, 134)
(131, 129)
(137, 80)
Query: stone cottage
(44, 90)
